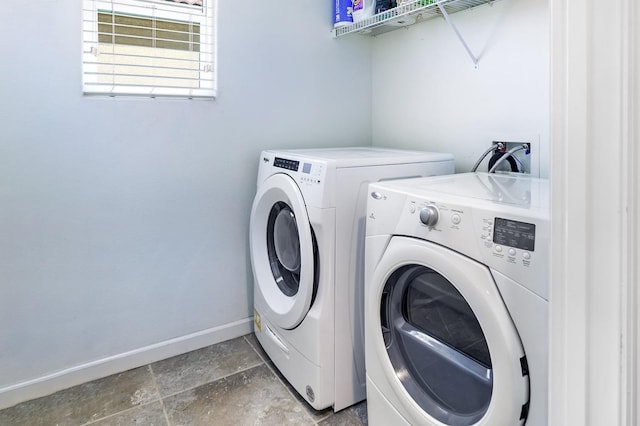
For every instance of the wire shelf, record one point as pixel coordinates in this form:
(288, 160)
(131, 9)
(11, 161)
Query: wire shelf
(405, 15)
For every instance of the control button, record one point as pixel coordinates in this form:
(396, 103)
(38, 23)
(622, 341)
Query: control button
(498, 249)
(412, 208)
(526, 255)
(455, 218)
(429, 215)
(512, 252)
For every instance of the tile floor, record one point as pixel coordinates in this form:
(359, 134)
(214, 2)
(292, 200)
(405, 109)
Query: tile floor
(230, 383)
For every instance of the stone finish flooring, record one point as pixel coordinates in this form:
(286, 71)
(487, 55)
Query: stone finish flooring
(230, 383)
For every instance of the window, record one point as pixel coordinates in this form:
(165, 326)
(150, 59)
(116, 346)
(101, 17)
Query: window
(149, 48)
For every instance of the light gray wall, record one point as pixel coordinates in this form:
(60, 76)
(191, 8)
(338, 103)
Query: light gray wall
(123, 222)
(427, 94)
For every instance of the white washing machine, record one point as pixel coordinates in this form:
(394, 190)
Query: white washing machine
(456, 296)
(307, 254)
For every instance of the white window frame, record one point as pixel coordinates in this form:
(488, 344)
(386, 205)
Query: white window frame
(204, 16)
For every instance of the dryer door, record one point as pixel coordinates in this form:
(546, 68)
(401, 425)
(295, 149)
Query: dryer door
(445, 339)
(282, 251)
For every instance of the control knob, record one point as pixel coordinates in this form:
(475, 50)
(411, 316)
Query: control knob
(429, 215)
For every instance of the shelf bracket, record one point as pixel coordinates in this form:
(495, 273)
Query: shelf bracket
(455, 30)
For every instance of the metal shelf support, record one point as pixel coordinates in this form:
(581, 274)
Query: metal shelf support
(411, 13)
(455, 30)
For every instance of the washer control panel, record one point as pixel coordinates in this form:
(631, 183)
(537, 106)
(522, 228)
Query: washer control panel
(287, 164)
(307, 173)
(311, 176)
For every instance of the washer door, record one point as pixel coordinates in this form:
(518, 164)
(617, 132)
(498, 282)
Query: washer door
(282, 251)
(448, 345)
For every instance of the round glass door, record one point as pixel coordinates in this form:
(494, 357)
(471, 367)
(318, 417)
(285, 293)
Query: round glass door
(283, 245)
(436, 345)
(283, 252)
(443, 337)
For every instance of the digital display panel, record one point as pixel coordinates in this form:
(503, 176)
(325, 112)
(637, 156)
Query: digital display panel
(306, 168)
(516, 234)
(286, 164)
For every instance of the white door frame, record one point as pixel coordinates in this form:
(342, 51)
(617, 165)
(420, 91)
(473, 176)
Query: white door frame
(595, 80)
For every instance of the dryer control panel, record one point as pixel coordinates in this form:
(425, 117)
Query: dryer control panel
(512, 241)
(505, 240)
(515, 234)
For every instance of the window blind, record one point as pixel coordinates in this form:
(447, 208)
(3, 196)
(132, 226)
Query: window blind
(149, 48)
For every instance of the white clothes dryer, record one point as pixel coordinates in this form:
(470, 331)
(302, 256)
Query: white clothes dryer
(456, 301)
(307, 255)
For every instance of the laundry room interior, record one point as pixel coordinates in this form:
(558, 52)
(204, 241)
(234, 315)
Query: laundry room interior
(125, 220)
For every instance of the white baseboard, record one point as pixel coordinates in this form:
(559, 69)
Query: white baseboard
(93, 370)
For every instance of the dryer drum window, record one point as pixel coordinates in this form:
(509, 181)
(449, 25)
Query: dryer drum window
(283, 247)
(436, 345)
